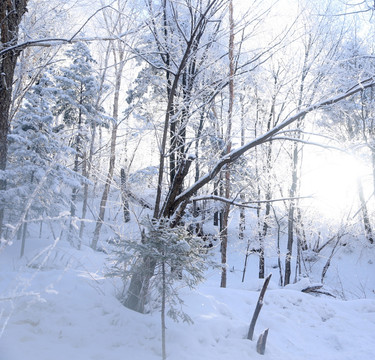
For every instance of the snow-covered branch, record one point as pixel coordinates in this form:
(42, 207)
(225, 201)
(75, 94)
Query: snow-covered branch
(306, 142)
(222, 199)
(237, 153)
(50, 42)
(244, 204)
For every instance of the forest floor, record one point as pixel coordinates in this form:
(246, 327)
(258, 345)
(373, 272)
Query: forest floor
(59, 306)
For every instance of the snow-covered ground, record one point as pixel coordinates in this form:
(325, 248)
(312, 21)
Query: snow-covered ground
(63, 308)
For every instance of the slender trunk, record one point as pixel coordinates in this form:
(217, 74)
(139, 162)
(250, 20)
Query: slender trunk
(24, 232)
(268, 167)
(295, 161)
(171, 88)
(119, 67)
(73, 205)
(245, 262)
(292, 207)
(88, 166)
(281, 282)
(365, 216)
(198, 136)
(224, 233)
(85, 193)
(107, 186)
(266, 215)
(163, 301)
(242, 224)
(224, 246)
(125, 201)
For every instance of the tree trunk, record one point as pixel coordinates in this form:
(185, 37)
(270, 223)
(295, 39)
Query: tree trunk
(85, 173)
(162, 313)
(73, 205)
(107, 186)
(366, 219)
(24, 232)
(267, 212)
(125, 201)
(242, 223)
(88, 162)
(291, 212)
(224, 233)
(119, 67)
(11, 13)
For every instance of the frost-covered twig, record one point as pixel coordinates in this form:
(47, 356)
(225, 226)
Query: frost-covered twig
(235, 154)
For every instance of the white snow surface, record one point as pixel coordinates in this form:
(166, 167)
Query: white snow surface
(63, 308)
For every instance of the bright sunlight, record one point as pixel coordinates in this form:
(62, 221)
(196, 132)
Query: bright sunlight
(331, 177)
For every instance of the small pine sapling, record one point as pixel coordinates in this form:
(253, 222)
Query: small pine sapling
(171, 258)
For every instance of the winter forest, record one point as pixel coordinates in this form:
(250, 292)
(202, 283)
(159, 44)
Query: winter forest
(187, 179)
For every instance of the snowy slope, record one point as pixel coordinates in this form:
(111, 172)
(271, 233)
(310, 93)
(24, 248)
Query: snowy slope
(67, 310)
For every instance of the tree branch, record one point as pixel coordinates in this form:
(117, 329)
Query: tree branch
(222, 199)
(236, 153)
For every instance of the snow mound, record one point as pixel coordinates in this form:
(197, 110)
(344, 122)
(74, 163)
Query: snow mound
(64, 313)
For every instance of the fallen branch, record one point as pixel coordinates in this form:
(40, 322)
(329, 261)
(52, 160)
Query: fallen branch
(316, 290)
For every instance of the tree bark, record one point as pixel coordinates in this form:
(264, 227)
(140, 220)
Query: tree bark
(11, 13)
(224, 233)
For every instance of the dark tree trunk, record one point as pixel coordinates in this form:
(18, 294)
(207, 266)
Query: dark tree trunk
(11, 13)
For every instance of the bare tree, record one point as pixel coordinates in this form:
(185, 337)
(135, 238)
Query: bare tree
(119, 25)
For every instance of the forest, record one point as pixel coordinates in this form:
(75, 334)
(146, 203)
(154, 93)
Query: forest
(163, 161)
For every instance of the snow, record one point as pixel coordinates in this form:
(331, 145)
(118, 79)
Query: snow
(62, 307)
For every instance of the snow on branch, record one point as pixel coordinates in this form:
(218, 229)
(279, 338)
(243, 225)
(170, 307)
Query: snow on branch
(276, 200)
(49, 42)
(306, 142)
(236, 153)
(223, 199)
(245, 204)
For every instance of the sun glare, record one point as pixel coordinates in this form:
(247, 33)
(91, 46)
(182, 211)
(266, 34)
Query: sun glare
(332, 180)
